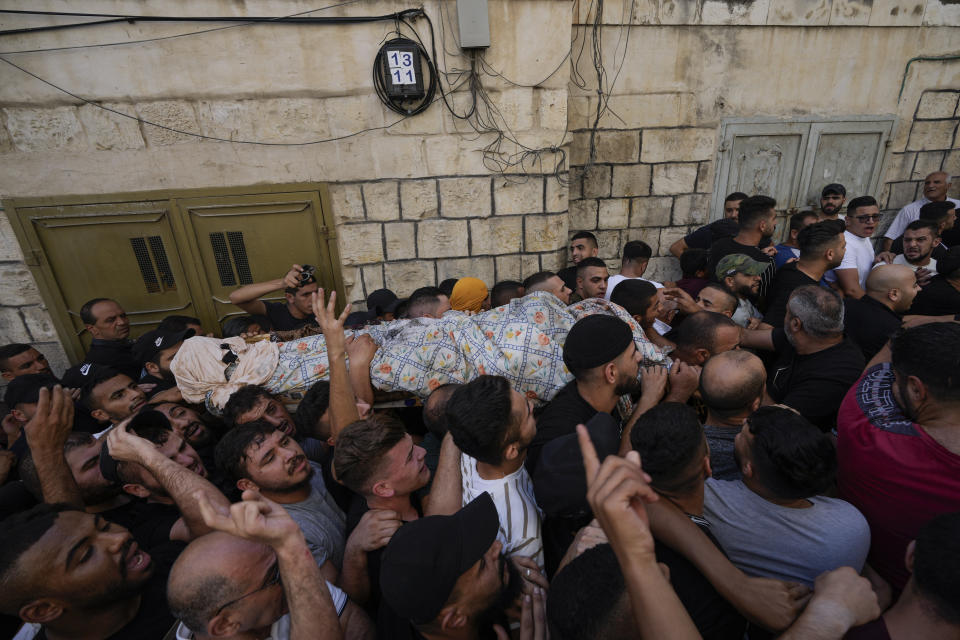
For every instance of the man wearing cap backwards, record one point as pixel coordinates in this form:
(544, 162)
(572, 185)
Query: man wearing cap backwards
(831, 201)
(296, 312)
(447, 577)
(741, 275)
(154, 350)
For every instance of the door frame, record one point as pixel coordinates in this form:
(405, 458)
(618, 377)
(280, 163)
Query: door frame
(36, 260)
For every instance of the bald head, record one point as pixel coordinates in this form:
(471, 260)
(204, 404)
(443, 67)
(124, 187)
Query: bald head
(894, 285)
(731, 384)
(211, 571)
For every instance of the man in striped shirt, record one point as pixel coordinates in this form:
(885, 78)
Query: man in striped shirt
(493, 425)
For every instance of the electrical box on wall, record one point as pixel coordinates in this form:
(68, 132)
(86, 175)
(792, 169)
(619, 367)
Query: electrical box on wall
(401, 69)
(474, 23)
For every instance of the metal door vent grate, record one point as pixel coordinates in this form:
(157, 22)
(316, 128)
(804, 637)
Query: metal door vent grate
(151, 257)
(146, 265)
(221, 255)
(230, 256)
(239, 251)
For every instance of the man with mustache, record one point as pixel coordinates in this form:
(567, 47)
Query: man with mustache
(935, 187)
(109, 396)
(186, 423)
(108, 325)
(831, 201)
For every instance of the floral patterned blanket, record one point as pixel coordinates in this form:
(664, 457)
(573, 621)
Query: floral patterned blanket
(522, 341)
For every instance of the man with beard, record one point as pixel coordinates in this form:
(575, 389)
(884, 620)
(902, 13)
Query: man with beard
(831, 201)
(899, 442)
(493, 425)
(447, 577)
(815, 363)
(154, 350)
(920, 238)
(822, 246)
(253, 403)
(740, 274)
(850, 277)
(109, 396)
(108, 325)
(935, 188)
(186, 423)
(756, 224)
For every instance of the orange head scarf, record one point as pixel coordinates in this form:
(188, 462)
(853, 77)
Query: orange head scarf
(468, 295)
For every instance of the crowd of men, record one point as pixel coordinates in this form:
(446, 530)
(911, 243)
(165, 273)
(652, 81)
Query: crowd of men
(793, 471)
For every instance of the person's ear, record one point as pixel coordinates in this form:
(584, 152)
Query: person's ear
(223, 626)
(639, 318)
(746, 468)
(41, 611)
(92, 330)
(290, 297)
(452, 618)
(100, 415)
(707, 469)
(7, 375)
(152, 368)
(916, 390)
(610, 373)
(383, 490)
(756, 403)
(511, 452)
(909, 555)
(137, 490)
(795, 324)
(19, 416)
(893, 294)
(937, 241)
(701, 355)
(245, 484)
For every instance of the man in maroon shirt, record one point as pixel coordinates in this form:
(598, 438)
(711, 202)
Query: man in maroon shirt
(899, 441)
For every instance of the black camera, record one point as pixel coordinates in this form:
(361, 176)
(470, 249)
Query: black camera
(306, 274)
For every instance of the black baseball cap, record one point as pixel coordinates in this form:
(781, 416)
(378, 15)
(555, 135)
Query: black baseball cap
(152, 342)
(426, 557)
(86, 373)
(835, 188)
(26, 389)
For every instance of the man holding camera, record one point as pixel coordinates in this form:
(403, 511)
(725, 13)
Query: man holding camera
(298, 285)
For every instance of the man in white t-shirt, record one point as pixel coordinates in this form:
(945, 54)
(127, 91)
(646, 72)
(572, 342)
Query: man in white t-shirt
(935, 187)
(492, 425)
(636, 257)
(919, 240)
(850, 277)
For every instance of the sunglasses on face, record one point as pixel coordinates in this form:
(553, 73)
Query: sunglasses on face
(868, 218)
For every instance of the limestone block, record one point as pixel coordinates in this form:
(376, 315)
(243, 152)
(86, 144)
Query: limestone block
(238, 119)
(427, 122)
(6, 142)
(553, 261)
(941, 13)
(11, 326)
(372, 279)
(394, 157)
(900, 166)
(382, 200)
(691, 209)
(349, 114)
(360, 243)
(552, 108)
(418, 199)
(744, 12)
(683, 144)
(583, 215)
(897, 13)
(931, 134)
(481, 268)
(9, 247)
(17, 287)
(609, 244)
(650, 235)
(464, 197)
(277, 119)
(851, 12)
(596, 181)
(650, 212)
(516, 194)
(545, 233)
(580, 148)
(951, 164)
(47, 129)
(108, 131)
(516, 108)
(403, 278)
(669, 235)
(705, 177)
(631, 180)
(674, 178)
(927, 163)
(799, 12)
(347, 201)
(613, 213)
(618, 146)
(400, 240)
(38, 322)
(496, 236)
(641, 110)
(558, 194)
(576, 183)
(937, 104)
(679, 12)
(442, 239)
(578, 112)
(664, 269)
(901, 194)
(507, 268)
(176, 114)
(455, 155)
(55, 355)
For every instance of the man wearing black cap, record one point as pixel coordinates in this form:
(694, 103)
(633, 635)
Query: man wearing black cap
(154, 350)
(831, 201)
(445, 575)
(108, 395)
(298, 285)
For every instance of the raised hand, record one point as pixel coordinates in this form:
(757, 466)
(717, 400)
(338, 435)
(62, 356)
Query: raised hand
(684, 379)
(128, 447)
(330, 323)
(292, 278)
(53, 421)
(253, 518)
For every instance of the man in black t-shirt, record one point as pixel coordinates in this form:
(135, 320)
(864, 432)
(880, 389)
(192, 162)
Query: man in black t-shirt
(822, 246)
(298, 286)
(941, 296)
(815, 365)
(871, 320)
(706, 235)
(154, 350)
(757, 223)
(108, 325)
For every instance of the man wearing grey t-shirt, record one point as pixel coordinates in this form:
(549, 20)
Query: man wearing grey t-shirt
(774, 522)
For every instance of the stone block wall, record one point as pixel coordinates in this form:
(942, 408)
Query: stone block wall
(404, 234)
